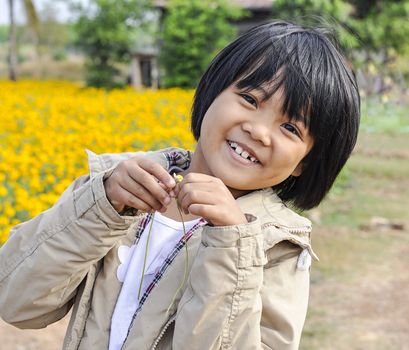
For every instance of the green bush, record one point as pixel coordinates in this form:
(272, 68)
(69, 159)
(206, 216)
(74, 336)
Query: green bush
(59, 55)
(194, 31)
(104, 31)
(4, 33)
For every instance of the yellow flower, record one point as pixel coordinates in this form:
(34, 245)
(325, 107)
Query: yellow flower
(9, 211)
(178, 178)
(3, 191)
(46, 127)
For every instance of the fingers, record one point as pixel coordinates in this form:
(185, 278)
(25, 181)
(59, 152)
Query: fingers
(145, 186)
(137, 191)
(210, 200)
(205, 211)
(139, 183)
(157, 171)
(171, 192)
(197, 178)
(189, 197)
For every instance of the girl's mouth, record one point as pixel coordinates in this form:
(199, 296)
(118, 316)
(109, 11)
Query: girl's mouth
(241, 155)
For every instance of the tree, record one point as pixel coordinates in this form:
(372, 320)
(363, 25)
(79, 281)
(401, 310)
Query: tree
(382, 28)
(12, 57)
(33, 21)
(53, 34)
(373, 32)
(105, 33)
(193, 32)
(33, 24)
(335, 14)
(382, 25)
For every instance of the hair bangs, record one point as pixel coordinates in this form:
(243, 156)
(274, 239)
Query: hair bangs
(273, 72)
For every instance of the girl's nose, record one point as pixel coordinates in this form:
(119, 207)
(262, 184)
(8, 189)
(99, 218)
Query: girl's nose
(258, 132)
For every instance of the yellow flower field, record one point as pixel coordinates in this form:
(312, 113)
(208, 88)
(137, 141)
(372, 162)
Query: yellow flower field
(45, 128)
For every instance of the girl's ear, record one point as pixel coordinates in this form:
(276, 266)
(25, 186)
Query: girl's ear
(298, 170)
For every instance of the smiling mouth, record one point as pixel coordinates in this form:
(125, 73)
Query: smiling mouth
(242, 153)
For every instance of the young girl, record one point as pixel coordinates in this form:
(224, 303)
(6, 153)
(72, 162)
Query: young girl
(275, 117)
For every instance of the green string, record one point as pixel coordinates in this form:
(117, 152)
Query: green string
(186, 261)
(145, 257)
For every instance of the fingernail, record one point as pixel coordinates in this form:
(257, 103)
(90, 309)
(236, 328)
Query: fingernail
(171, 183)
(166, 201)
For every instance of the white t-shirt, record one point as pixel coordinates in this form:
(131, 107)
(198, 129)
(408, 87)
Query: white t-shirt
(165, 234)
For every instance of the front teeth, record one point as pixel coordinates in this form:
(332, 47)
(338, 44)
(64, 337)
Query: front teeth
(241, 152)
(244, 154)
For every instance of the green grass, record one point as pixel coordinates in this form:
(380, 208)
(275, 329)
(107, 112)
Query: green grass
(389, 117)
(375, 181)
(372, 187)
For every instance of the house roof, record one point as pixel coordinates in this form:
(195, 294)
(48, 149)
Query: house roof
(254, 4)
(247, 4)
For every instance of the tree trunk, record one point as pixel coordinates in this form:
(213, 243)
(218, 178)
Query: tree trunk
(12, 59)
(33, 24)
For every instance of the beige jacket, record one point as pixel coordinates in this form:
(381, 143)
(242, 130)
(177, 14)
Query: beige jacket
(247, 289)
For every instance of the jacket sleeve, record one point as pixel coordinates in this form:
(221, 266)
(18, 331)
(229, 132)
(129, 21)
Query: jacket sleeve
(236, 299)
(45, 259)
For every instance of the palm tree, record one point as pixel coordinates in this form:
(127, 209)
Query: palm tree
(32, 19)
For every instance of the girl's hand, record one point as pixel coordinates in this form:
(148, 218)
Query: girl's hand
(139, 183)
(208, 197)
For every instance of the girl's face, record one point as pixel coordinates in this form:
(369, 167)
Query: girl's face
(250, 144)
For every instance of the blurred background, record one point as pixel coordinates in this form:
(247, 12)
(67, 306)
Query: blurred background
(114, 76)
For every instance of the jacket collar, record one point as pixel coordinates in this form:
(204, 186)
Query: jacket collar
(170, 158)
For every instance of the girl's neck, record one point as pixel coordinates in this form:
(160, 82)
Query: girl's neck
(173, 213)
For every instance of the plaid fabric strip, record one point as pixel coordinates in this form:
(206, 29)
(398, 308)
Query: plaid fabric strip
(168, 261)
(177, 160)
(141, 227)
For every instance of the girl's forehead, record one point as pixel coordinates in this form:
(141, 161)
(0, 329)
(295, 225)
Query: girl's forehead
(262, 89)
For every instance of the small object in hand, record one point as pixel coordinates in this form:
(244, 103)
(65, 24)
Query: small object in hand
(178, 178)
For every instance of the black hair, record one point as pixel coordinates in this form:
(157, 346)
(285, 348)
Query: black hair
(319, 88)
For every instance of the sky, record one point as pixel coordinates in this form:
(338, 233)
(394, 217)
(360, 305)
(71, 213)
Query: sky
(62, 10)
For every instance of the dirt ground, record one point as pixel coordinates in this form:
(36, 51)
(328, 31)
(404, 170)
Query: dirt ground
(50, 338)
(366, 308)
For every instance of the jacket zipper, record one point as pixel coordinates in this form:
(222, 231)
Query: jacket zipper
(164, 329)
(306, 229)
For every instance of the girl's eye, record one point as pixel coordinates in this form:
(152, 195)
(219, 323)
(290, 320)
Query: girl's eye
(291, 128)
(249, 99)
